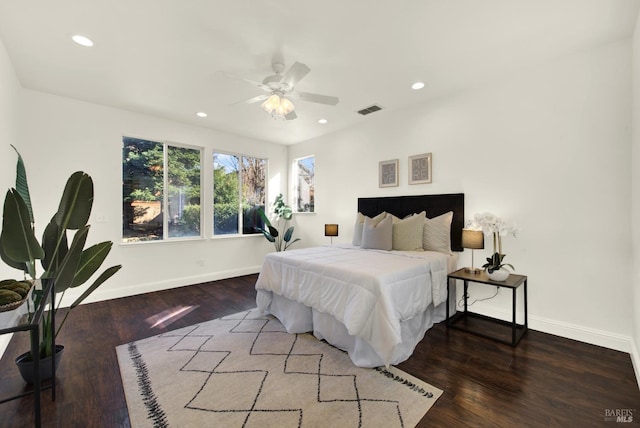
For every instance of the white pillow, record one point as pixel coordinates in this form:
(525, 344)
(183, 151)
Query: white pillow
(378, 235)
(437, 233)
(357, 230)
(408, 232)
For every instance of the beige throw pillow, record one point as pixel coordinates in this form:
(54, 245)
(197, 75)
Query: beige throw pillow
(408, 232)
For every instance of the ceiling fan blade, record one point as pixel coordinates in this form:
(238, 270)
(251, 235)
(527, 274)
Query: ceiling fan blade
(297, 71)
(253, 100)
(249, 81)
(316, 98)
(291, 116)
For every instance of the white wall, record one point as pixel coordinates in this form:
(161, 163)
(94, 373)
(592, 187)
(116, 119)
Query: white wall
(58, 136)
(635, 200)
(9, 93)
(548, 148)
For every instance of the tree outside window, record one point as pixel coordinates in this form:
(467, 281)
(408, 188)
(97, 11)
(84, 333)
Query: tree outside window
(144, 199)
(239, 187)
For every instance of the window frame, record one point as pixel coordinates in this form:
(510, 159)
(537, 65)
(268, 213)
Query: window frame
(239, 226)
(296, 185)
(165, 193)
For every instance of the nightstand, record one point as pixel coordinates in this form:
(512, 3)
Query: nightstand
(482, 325)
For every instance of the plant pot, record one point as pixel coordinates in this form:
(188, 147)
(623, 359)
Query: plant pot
(26, 366)
(498, 275)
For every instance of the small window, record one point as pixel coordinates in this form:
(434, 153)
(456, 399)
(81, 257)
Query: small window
(304, 171)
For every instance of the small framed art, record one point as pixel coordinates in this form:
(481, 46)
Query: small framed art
(388, 173)
(420, 169)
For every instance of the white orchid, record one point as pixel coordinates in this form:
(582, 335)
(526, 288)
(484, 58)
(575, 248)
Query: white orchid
(490, 223)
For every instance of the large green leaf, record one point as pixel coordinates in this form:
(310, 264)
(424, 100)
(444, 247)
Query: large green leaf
(90, 261)
(21, 184)
(75, 206)
(273, 231)
(288, 234)
(264, 217)
(11, 263)
(55, 245)
(102, 278)
(17, 238)
(66, 271)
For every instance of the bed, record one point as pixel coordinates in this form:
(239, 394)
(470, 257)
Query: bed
(371, 298)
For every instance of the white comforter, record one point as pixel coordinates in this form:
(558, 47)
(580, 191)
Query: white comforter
(369, 291)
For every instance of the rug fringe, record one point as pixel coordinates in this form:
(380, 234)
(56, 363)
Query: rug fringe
(154, 410)
(403, 381)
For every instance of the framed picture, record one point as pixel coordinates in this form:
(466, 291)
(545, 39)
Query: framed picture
(388, 173)
(420, 169)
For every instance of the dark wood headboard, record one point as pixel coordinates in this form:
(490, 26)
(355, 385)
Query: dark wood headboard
(434, 205)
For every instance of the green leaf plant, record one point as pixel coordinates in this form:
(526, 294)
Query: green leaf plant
(68, 266)
(280, 234)
(495, 261)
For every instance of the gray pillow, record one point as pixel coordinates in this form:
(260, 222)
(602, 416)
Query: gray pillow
(378, 235)
(437, 233)
(408, 232)
(357, 230)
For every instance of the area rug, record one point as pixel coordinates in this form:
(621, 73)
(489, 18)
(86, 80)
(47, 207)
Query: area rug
(245, 370)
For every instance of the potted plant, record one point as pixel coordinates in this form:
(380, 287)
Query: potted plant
(280, 235)
(498, 227)
(68, 265)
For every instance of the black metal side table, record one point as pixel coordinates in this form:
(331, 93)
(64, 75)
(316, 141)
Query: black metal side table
(28, 317)
(461, 320)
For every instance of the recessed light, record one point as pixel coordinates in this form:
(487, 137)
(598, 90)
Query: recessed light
(417, 85)
(322, 121)
(201, 114)
(82, 40)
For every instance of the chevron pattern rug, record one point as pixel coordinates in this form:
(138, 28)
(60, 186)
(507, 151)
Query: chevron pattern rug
(245, 370)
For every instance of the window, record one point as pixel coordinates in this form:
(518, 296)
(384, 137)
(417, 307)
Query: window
(149, 213)
(304, 171)
(239, 186)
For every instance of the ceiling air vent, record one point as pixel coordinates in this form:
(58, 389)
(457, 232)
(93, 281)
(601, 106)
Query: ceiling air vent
(371, 109)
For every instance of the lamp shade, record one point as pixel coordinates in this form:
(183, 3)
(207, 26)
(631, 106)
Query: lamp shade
(473, 239)
(330, 230)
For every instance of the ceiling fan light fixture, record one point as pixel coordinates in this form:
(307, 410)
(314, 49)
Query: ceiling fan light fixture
(286, 105)
(271, 103)
(278, 106)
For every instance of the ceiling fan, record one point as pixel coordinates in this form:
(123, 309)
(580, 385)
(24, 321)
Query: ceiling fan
(280, 91)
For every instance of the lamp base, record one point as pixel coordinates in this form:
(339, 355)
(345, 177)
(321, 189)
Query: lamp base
(474, 271)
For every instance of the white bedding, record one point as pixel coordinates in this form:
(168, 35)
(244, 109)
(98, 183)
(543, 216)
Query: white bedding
(371, 292)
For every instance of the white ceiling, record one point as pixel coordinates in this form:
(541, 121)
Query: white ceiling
(161, 57)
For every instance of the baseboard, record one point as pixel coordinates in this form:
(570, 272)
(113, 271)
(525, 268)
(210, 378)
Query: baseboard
(106, 294)
(635, 360)
(580, 333)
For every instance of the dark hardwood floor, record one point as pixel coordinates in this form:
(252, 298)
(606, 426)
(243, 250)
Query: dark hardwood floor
(545, 381)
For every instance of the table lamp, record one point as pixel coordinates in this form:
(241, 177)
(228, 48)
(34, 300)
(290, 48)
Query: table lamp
(331, 230)
(474, 240)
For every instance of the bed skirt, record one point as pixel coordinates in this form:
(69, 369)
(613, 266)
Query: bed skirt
(298, 318)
